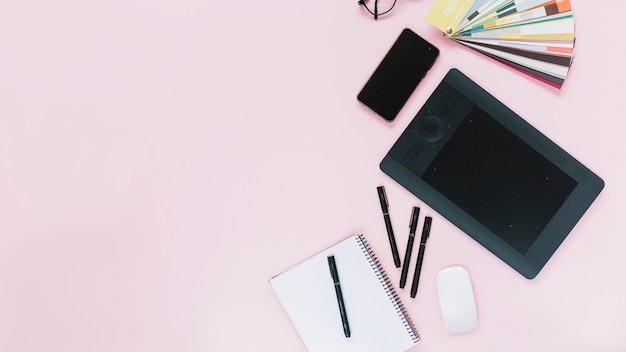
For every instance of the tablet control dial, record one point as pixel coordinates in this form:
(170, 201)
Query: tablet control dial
(431, 128)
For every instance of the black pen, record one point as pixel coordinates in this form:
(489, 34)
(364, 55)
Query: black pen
(420, 254)
(392, 240)
(342, 307)
(409, 246)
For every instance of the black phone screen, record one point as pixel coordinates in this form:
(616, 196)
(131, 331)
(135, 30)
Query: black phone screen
(398, 74)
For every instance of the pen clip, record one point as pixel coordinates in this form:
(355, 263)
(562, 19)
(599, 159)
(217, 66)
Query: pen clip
(382, 196)
(413, 223)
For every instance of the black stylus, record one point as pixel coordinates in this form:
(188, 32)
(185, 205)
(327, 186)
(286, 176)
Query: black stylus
(342, 307)
(409, 246)
(420, 255)
(392, 240)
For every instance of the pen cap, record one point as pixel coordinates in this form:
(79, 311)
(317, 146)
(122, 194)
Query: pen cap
(414, 217)
(333, 268)
(382, 196)
(426, 231)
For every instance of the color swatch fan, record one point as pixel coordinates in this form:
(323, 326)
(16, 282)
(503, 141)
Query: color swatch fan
(532, 36)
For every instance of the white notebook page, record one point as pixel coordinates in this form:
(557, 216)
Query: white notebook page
(307, 294)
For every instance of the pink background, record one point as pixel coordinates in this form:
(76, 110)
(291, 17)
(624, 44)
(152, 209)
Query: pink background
(161, 160)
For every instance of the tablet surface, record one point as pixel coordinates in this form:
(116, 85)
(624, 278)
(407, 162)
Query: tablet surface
(493, 175)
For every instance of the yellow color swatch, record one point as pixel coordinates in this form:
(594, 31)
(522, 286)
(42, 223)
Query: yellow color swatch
(447, 14)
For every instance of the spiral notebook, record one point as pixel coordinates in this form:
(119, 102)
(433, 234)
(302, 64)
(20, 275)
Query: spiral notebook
(378, 320)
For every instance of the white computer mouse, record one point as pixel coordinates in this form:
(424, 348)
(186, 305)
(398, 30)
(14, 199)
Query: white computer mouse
(456, 299)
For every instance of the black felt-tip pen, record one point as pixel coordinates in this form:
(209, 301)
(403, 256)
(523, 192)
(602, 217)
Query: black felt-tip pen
(342, 307)
(409, 246)
(420, 254)
(392, 240)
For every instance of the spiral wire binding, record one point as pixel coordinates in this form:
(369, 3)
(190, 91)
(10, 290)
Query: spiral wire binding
(389, 289)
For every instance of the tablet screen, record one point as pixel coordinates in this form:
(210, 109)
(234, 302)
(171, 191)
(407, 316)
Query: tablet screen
(492, 174)
(499, 179)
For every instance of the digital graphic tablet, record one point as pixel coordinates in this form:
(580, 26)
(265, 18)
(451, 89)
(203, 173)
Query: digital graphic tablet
(490, 173)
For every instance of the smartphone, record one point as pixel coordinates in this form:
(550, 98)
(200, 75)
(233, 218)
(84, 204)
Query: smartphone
(398, 74)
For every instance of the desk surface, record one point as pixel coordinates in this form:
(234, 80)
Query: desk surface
(160, 161)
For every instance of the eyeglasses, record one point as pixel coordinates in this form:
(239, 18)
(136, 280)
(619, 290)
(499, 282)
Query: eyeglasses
(375, 13)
